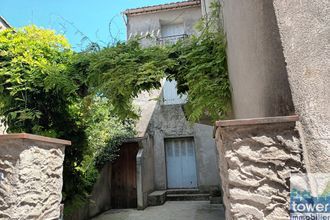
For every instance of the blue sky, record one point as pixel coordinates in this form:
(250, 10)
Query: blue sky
(74, 18)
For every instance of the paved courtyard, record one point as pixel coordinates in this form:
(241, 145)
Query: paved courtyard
(181, 210)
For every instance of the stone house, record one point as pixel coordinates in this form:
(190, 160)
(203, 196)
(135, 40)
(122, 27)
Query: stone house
(172, 155)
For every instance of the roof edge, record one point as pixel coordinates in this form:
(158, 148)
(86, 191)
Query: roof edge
(5, 22)
(162, 7)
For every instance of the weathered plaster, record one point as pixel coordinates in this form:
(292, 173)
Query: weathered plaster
(305, 29)
(2, 128)
(140, 25)
(99, 200)
(207, 157)
(145, 103)
(145, 171)
(169, 121)
(255, 60)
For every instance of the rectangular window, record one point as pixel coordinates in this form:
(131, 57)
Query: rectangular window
(170, 94)
(171, 33)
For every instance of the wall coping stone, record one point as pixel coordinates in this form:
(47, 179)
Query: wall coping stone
(33, 137)
(257, 121)
(254, 121)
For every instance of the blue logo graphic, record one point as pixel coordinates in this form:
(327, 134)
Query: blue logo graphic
(310, 197)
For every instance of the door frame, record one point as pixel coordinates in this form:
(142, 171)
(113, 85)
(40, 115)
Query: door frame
(196, 161)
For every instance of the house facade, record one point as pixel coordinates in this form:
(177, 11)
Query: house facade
(174, 153)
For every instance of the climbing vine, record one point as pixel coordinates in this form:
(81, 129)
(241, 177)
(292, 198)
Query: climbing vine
(201, 70)
(198, 64)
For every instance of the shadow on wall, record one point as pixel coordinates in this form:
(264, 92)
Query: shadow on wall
(256, 64)
(100, 198)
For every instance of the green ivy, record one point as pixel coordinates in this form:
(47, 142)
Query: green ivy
(121, 72)
(201, 72)
(198, 63)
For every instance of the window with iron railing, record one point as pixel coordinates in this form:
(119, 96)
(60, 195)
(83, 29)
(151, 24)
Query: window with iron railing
(171, 39)
(171, 33)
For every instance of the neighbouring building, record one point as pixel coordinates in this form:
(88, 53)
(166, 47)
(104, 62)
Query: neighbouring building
(4, 24)
(169, 153)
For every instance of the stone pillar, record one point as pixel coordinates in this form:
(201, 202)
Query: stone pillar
(256, 159)
(31, 179)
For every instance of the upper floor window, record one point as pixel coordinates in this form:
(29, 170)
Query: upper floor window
(170, 94)
(171, 33)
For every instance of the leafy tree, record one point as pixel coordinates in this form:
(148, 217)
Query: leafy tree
(39, 95)
(32, 83)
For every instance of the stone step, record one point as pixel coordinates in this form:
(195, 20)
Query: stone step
(188, 197)
(182, 191)
(157, 198)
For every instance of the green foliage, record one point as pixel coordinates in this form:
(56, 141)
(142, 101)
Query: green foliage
(44, 90)
(40, 95)
(201, 70)
(121, 72)
(197, 63)
(29, 59)
(105, 133)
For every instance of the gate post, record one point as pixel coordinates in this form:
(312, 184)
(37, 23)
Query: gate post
(31, 168)
(256, 159)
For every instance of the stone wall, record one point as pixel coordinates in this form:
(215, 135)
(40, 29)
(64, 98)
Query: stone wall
(30, 176)
(256, 159)
(304, 26)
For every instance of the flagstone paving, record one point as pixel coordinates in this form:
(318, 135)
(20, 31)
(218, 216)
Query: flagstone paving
(171, 210)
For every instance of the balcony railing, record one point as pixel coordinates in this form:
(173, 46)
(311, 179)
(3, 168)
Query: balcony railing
(170, 39)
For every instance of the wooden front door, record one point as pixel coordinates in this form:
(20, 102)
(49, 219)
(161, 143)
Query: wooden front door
(123, 181)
